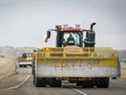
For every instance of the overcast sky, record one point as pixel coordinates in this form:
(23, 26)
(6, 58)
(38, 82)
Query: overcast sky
(24, 22)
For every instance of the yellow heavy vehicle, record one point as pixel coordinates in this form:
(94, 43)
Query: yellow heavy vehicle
(75, 59)
(25, 60)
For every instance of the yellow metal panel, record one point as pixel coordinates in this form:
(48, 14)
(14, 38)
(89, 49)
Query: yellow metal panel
(97, 62)
(100, 57)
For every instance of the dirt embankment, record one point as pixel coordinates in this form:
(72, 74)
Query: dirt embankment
(7, 61)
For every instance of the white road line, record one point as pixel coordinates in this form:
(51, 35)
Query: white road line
(20, 84)
(80, 92)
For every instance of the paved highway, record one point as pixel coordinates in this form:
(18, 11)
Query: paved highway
(117, 87)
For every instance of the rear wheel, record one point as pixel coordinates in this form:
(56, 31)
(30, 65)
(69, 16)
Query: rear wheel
(79, 83)
(25, 66)
(55, 82)
(39, 82)
(85, 83)
(102, 82)
(20, 65)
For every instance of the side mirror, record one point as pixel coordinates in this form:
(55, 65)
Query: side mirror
(48, 36)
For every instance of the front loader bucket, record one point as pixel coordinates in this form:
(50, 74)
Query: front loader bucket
(76, 62)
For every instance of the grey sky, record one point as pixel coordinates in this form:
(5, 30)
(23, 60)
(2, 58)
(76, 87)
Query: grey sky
(24, 22)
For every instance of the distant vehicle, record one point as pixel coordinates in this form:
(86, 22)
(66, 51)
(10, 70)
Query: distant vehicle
(25, 60)
(75, 58)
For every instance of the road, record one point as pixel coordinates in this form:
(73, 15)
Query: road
(117, 87)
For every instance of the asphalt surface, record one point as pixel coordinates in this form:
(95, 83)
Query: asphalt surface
(117, 87)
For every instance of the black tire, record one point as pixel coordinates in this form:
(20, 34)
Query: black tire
(102, 82)
(20, 66)
(25, 66)
(79, 83)
(33, 71)
(55, 82)
(87, 84)
(34, 78)
(114, 77)
(39, 82)
(33, 67)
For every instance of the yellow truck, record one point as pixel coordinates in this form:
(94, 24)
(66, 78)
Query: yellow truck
(75, 59)
(25, 60)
